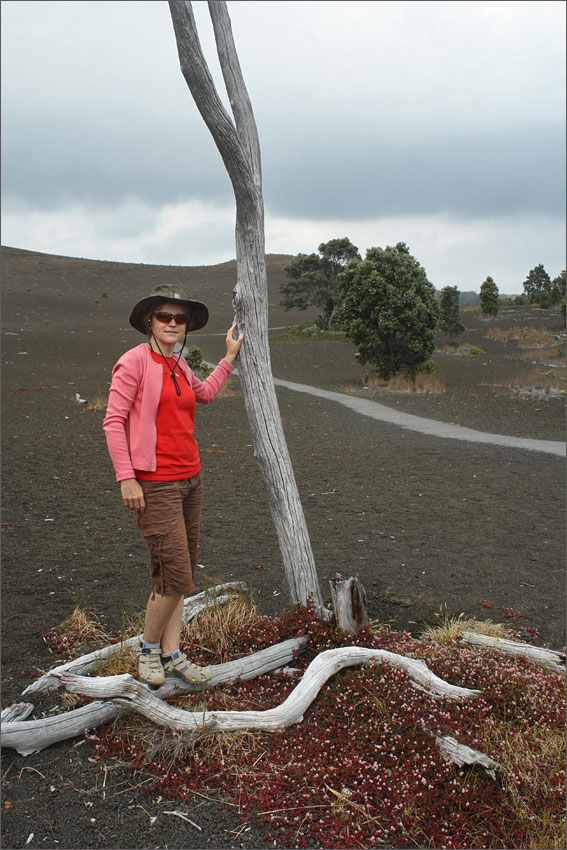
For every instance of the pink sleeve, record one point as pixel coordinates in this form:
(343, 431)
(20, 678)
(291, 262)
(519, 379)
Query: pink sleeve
(205, 391)
(123, 390)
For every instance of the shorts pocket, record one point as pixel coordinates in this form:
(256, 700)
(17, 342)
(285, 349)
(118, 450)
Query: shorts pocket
(159, 545)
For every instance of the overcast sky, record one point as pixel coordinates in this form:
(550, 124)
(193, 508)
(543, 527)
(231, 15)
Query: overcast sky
(439, 124)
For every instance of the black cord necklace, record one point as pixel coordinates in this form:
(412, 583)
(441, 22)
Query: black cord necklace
(172, 370)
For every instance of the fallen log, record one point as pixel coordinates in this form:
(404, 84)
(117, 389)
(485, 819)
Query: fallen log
(192, 605)
(18, 711)
(30, 736)
(544, 657)
(349, 604)
(460, 754)
(128, 692)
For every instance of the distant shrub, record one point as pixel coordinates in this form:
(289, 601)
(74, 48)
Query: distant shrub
(195, 362)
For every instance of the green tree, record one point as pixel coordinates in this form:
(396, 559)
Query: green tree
(449, 321)
(489, 298)
(538, 287)
(558, 287)
(389, 311)
(312, 279)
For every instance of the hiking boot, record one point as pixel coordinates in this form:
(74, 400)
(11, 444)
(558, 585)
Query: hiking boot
(150, 669)
(182, 668)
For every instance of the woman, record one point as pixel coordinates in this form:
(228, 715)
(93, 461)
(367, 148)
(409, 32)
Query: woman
(149, 430)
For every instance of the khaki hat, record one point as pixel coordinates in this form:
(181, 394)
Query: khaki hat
(198, 313)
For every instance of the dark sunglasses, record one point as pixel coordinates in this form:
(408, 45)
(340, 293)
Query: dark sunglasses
(165, 318)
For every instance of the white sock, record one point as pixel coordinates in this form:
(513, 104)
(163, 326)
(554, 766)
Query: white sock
(170, 656)
(145, 645)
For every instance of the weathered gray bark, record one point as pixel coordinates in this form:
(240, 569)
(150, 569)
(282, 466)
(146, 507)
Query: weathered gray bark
(126, 691)
(460, 754)
(349, 604)
(29, 736)
(539, 655)
(238, 144)
(192, 605)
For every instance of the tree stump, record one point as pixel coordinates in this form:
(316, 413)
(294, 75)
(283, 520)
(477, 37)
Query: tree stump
(349, 604)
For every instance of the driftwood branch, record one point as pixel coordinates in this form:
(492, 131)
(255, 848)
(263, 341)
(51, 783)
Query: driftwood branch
(128, 692)
(192, 605)
(544, 657)
(18, 711)
(460, 754)
(30, 736)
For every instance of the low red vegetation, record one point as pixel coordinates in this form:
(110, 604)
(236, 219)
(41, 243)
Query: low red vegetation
(362, 769)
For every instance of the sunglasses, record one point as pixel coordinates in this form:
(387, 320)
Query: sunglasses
(165, 318)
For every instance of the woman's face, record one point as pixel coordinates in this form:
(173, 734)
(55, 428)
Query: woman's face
(168, 333)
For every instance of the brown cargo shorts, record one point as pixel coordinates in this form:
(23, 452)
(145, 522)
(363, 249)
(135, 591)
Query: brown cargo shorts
(170, 528)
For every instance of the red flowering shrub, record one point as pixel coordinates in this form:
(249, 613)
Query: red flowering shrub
(362, 769)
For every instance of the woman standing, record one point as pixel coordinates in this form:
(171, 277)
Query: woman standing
(149, 426)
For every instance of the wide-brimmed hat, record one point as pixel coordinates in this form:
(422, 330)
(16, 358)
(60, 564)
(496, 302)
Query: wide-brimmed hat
(198, 312)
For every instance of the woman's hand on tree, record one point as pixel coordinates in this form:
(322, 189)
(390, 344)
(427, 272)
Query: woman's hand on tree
(132, 495)
(232, 345)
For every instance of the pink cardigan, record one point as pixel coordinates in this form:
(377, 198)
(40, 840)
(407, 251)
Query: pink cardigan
(133, 401)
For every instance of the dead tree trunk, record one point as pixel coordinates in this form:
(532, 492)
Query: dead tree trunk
(349, 604)
(238, 144)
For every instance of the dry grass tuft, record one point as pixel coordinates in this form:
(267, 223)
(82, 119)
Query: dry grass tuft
(85, 625)
(530, 757)
(424, 382)
(452, 628)
(222, 625)
(552, 356)
(525, 337)
(235, 747)
(533, 382)
(465, 350)
(123, 661)
(175, 747)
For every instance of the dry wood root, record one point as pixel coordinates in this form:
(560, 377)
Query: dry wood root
(539, 655)
(33, 735)
(126, 691)
(192, 605)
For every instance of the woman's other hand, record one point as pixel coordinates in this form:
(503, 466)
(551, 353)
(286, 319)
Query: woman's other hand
(232, 345)
(132, 495)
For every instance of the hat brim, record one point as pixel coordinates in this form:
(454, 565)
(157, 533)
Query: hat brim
(198, 312)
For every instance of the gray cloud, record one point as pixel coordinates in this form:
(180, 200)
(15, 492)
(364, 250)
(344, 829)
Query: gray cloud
(366, 111)
(490, 174)
(52, 159)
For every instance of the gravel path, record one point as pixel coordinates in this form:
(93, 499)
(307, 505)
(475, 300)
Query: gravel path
(432, 427)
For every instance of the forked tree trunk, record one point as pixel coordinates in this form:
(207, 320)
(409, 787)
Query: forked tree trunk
(239, 147)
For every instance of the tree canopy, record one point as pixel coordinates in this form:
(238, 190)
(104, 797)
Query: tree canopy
(312, 279)
(449, 321)
(558, 287)
(489, 298)
(389, 311)
(538, 287)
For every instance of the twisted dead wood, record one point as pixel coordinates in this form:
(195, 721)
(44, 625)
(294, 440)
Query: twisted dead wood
(126, 691)
(460, 754)
(18, 711)
(192, 605)
(543, 657)
(33, 735)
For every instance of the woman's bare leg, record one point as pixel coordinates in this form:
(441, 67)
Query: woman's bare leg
(172, 632)
(163, 621)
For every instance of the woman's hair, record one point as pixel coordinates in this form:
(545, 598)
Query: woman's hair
(147, 319)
